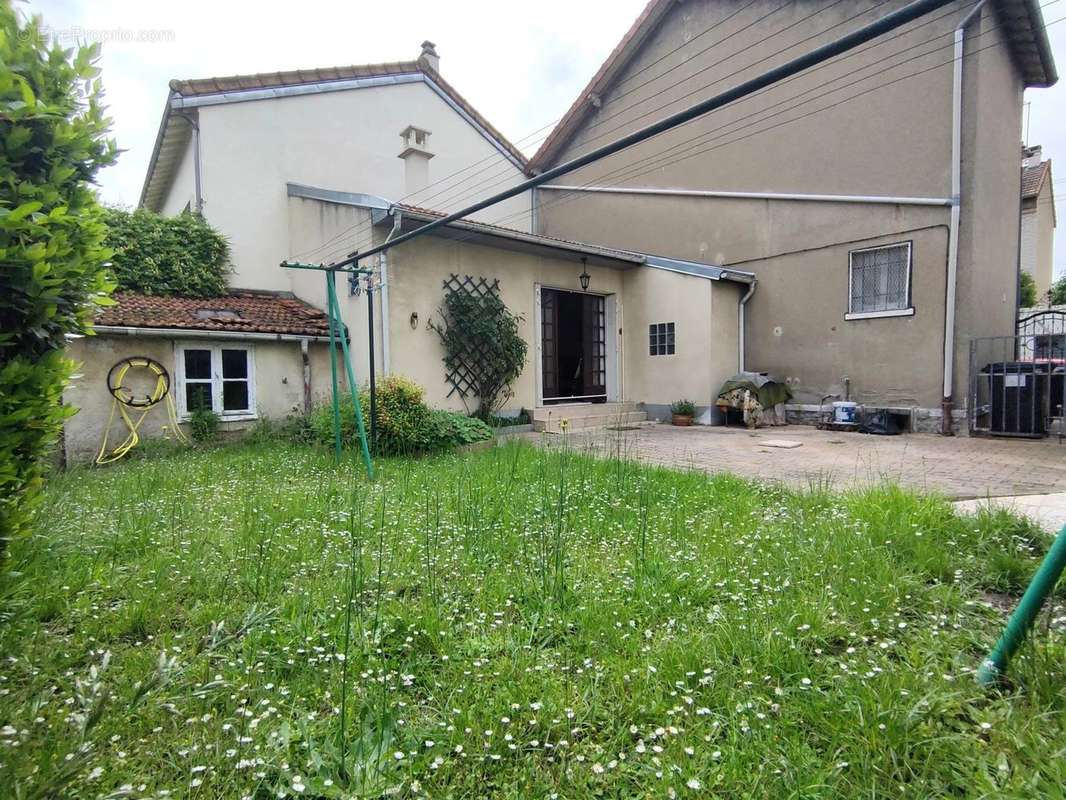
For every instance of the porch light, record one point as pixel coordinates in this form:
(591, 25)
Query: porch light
(584, 276)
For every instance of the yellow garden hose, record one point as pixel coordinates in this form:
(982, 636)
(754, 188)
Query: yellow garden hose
(124, 399)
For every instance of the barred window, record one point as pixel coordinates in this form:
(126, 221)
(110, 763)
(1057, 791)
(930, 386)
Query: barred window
(879, 280)
(661, 339)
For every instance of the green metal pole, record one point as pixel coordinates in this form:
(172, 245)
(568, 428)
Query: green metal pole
(993, 667)
(334, 306)
(333, 367)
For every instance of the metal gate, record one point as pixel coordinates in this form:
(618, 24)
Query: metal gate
(1017, 382)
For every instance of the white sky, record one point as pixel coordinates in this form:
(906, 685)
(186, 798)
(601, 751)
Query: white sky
(520, 64)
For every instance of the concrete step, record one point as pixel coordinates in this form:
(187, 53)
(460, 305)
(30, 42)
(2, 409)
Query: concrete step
(554, 424)
(572, 411)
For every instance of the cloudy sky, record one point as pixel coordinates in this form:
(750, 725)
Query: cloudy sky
(521, 65)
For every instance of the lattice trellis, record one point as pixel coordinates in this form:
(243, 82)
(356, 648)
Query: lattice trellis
(459, 367)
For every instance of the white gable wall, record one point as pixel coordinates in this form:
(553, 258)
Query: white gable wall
(182, 192)
(345, 140)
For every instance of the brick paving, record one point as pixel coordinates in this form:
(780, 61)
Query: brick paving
(959, 467)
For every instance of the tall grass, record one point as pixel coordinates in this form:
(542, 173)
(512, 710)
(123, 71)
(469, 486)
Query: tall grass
(258, 622)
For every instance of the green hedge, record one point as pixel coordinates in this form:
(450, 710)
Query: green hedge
(53, 140)
(153, 254)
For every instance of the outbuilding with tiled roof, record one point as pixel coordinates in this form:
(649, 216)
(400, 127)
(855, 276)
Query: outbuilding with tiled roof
(244, 356)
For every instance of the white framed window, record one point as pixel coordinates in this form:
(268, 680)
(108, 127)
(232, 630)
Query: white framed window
(879, 282)
(218, 377)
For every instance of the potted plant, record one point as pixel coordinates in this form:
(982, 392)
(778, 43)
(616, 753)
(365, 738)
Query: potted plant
(682, 412)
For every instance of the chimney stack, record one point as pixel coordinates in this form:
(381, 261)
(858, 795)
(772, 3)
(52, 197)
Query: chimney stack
(416, 156)
(1032, 156)
(429, 55)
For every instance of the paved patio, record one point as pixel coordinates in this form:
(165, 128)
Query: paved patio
(1047, 510)
(960, 467)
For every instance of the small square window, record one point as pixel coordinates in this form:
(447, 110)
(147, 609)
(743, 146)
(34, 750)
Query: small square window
(661, 339)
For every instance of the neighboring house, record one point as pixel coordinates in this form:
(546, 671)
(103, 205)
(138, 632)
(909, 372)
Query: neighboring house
(1038, 220)
(834, 188)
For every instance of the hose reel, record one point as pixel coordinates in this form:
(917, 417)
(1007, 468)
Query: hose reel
(124, 398)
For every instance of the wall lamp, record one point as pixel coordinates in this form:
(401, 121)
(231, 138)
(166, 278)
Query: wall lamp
(584, 276)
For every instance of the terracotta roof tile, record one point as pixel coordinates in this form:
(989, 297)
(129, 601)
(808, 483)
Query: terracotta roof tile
(239, 312)
(1033, 178)
(272, 80)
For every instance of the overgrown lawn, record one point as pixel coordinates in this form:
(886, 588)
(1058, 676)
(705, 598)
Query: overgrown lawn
(256, 621)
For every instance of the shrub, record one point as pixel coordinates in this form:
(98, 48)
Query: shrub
(1057, 292)
(450, 429)
(153, 254)
(403, 418)
(1027, 290)
(481, 340)
(405, 424)
(683, 408)
(53, 140)
(203, 425)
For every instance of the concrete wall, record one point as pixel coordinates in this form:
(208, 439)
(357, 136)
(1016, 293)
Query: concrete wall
(349, 141)
(819, 133)
(311, 222)
(987, 298)
(706, 351)
(802, 336)
(278, 376)
(892, 141)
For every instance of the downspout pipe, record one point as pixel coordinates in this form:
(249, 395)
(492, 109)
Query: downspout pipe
(383, 267)
(947, 405)
(305, 358)
(741, 324)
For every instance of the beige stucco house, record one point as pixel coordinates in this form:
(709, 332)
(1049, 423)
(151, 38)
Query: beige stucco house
(642, 329)
(270, 160)
(227, 147)
(876, 198)
(855, 226)
(1038, 220)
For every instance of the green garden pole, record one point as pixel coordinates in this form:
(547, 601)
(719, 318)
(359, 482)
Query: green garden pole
(333, 368)
(993, 667)
(334, 306)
